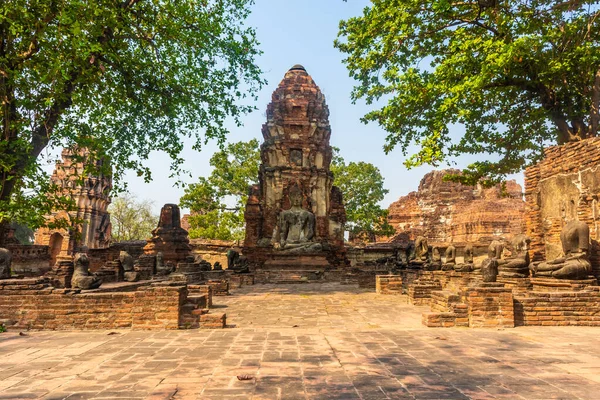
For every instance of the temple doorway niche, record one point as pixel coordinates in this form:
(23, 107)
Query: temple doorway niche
(55, 244)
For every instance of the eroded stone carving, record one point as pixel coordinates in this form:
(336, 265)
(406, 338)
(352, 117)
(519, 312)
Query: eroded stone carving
(436, 259)
(296, 227)
(517, 265)
(574, 264)
(450, 261)
(489, 269)
(169, 237)
(467, 264)
(5, 261)
(82, 279)
(126, 260)
(420, 256)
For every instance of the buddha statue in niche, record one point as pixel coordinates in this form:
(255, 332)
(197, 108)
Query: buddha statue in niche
(295, 229)
(574, 264)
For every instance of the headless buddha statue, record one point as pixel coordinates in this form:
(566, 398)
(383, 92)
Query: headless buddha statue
(467, 264)
(575, 264)
(450, 261)
(82, 279)
(420, 258)
(517, 265)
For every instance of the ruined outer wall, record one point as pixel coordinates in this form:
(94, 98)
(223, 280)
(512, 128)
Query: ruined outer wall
(214, 250)
(99, 257)
(29, 304)
(448, 212)
(29, 260)
(565, 185)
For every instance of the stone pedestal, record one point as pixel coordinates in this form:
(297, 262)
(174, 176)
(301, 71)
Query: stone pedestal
(561, 285)
(490, 305)
(388, 284)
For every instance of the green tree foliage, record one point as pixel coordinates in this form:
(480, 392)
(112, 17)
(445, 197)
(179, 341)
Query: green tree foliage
(362, 188)
(131, 219)
(22, 233)
(217, 203)
(516, 74)
(134, 75)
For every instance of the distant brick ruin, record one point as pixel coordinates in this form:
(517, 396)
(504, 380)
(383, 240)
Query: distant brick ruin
(447, 212)
(295, 156)
(91, 194)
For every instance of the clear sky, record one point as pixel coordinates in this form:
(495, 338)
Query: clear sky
(299, 32)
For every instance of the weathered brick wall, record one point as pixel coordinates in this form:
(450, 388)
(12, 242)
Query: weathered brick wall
(30, 304)
(565, 185)
(214, 250)
(419, 293)
(448, 212)
(29, 260)
(389, 284)
(559, 308)
(99, 257)
(490, 307)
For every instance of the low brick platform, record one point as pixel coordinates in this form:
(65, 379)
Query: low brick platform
(34, 304)
(388, 284)
(448, 311)
(566, 285)
(490, 305)
(560, 308)
(419, 293)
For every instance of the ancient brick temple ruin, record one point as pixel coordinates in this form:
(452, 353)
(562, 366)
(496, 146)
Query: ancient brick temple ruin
(295, 216)
(90, 222)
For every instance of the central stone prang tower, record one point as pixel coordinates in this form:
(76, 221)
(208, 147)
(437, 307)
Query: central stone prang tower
(295, 216)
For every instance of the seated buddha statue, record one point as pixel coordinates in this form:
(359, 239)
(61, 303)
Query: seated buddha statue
(420, 257)
(517, 265)
(467, 264)
(82, 279)
(574, 264)
(450, 261)
(296, 227)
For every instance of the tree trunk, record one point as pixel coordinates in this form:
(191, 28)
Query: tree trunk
(595, 112)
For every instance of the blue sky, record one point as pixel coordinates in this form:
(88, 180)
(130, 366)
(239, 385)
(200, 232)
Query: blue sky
(299, 32)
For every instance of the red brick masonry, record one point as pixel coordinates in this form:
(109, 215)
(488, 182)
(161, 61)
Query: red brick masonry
(32, 304)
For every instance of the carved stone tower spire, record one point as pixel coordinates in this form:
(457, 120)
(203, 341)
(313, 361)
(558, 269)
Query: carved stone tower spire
(90, 221)
(295, 154)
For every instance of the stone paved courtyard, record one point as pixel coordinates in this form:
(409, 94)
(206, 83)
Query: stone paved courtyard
(305, 342)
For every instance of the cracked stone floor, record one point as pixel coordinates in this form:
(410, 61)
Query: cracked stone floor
(305, 341)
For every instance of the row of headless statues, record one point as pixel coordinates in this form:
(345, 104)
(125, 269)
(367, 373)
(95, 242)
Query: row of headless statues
(574, 264)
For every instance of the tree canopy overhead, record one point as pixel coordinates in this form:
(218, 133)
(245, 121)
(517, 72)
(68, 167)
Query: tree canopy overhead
(131, 219)
(517, 75)
(362, 189)
(122, 77)
(217, 203)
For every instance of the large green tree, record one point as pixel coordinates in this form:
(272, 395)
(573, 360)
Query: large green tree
(217, 203)
(516, 74)
(131, 219)
(123, 78)
(362, 188)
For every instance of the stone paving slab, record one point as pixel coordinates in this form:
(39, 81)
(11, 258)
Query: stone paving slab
(305, 342)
